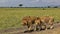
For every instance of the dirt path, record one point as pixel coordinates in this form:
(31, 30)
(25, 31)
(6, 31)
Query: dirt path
(56, 30)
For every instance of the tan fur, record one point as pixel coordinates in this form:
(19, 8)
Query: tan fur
(44, 22)
(28, 21)
(41, 22)
(48, 21)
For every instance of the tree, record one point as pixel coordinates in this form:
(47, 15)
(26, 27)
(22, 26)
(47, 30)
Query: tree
(20, 5)
(49, 7)
(55, 6)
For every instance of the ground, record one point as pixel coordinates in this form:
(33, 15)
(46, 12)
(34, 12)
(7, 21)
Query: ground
(20, 30)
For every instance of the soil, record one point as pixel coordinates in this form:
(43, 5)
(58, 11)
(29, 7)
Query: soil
(21, 30)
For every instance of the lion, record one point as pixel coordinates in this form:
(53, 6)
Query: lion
(28, 21)
(38, 23)
(47, 21)
(44, 22)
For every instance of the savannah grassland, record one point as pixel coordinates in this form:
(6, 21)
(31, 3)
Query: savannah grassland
(11, 17)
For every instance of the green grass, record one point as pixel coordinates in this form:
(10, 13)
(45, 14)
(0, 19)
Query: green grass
(11, 17)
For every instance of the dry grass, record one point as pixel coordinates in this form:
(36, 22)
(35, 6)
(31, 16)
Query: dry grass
(11, 17)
